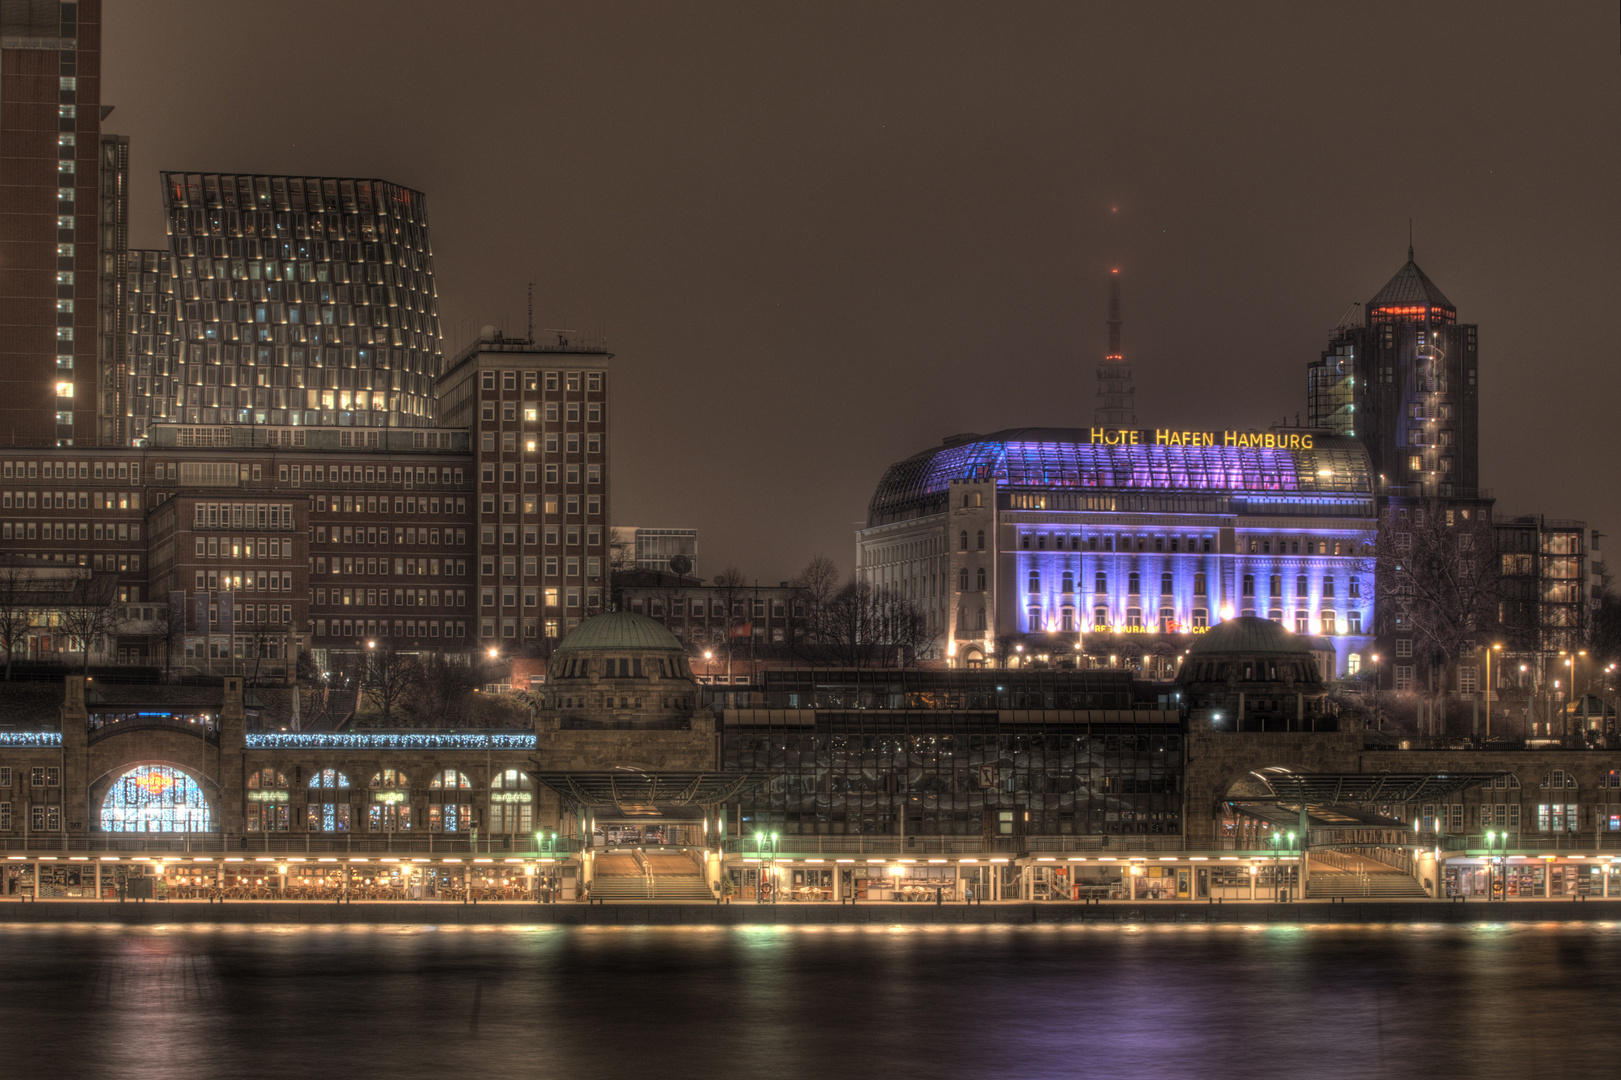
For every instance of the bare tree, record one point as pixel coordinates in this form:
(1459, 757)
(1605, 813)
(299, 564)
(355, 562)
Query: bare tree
(1438, 582)
(446, 683)
(169, 633)
(869, 626)
(818, 583)
(730, 595)
(388, 678)
(91, 612)
(18, 602)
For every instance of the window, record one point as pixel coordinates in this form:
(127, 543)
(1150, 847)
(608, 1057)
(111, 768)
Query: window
(1302, 622)
(979, 543)
(1404, 677)
(388, 806)
(1249, 584)
(447, 812)
(963, 541)
(154, 798)
(511, 802)
(1353, 621)
(1404, 647)
(1199, 586)
(1134, 583)
(328, 806)
(979, 579)
(1102, 582)
(1558, 817)
(1165, 584)
(1330, 622)
(1035, 581)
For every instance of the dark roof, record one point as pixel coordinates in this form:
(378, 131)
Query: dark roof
(1411, 286)
(1249, 635)
(619, 630)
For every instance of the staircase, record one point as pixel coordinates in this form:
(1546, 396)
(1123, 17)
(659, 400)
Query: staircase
(1386, 886)
(654, 876)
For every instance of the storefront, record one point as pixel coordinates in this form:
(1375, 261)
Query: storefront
(1531, 878)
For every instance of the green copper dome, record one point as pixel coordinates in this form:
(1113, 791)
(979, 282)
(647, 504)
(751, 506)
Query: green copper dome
(1247, 635)
(622, 631)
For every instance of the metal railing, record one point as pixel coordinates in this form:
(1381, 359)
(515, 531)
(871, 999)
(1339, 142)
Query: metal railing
(1534, 843)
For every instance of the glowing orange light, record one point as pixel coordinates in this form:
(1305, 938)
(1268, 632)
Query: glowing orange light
(154, 783)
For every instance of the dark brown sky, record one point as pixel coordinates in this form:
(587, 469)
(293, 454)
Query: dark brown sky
(823, 236)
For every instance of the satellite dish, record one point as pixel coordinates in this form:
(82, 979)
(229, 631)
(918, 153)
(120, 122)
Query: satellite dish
(680, 565)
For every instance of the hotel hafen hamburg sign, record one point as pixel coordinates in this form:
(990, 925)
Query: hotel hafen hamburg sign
(1247, 440)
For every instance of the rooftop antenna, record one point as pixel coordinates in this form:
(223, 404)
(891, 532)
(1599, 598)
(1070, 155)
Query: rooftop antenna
(1409, 239)
(531, 313)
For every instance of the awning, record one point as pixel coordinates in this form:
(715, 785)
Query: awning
(1338, 788)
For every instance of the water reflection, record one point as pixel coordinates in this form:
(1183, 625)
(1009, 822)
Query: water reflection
(1148, 1001)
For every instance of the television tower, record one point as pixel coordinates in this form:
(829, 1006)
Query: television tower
(1116, 405)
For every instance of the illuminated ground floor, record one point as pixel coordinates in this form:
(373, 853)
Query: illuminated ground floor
(828, 878)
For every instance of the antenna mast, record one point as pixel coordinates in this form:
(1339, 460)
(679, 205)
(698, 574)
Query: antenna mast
(1116, 394)
(531, 337)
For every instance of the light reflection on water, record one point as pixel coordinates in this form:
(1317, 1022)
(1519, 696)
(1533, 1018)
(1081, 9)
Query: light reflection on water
(830, 1001)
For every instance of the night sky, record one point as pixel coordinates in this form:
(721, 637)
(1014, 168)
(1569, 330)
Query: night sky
(821, 237)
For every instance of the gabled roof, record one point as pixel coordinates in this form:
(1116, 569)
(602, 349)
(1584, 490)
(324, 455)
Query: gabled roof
(1411, 286)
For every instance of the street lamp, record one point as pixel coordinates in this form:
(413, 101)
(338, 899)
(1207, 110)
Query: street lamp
(1489, 651)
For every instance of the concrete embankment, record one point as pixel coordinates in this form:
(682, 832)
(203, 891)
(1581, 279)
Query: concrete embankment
(874, 914)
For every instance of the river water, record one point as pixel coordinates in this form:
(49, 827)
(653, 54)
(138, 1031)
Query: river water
(1513, 1000)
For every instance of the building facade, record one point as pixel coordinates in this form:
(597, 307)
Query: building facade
(1119, 546)
(1405, 383)
(538, 423)
(52, 246)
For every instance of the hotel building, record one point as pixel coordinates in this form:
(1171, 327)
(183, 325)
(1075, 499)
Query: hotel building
(1104, 545)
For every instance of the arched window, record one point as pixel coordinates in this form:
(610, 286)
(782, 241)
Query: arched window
(964, 540)
(388, 802)
(979, 620)
(328, 809)
(981, 540)
(154, 798)
(1035, 581)
(512, 798)
(962, 579)
(1559, 779)
(267, 801)
(450, 802)
(979, 578)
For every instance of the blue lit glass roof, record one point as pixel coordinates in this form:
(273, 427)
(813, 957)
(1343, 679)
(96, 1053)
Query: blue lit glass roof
(1062, 459)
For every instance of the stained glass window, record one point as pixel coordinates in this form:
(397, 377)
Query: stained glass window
(155, 798)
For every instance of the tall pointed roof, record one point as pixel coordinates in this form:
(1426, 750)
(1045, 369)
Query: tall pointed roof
(1411, 286)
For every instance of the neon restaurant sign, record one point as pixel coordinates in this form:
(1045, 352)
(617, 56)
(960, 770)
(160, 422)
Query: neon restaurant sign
(1245, 440)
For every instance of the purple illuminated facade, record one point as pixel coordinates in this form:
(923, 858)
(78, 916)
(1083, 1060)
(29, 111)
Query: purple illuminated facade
(1103, 547)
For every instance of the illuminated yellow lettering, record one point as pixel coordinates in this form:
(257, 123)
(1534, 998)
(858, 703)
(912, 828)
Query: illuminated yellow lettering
(1164, 438)
(1305, 442)
(1229, 438)
(1098, 435)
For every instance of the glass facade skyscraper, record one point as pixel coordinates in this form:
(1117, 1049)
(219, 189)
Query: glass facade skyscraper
(298, 301)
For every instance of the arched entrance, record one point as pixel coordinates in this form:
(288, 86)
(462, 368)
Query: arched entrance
(155, 798)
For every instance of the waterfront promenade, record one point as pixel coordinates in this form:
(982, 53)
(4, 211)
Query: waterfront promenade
(655, 913)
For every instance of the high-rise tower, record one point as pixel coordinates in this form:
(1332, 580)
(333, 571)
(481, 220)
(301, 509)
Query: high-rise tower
(50, 248)
(1115, 408)
(1406, 383)
(300, 301)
